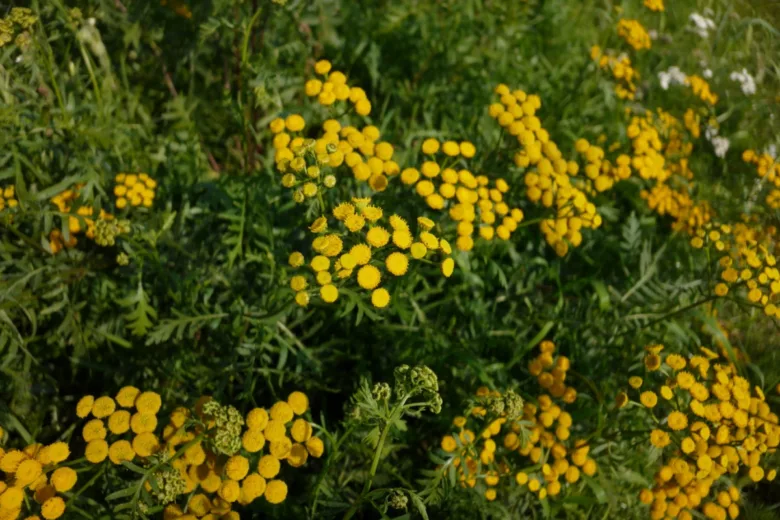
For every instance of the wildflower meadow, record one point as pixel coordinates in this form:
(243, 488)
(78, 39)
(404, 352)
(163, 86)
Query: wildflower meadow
(410, 259)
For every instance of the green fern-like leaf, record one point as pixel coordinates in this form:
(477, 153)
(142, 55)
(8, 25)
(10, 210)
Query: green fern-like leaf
(632, 233)
(180, 325)
(142, 314)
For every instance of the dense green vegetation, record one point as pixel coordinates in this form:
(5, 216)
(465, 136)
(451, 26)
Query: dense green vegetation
(451, 247)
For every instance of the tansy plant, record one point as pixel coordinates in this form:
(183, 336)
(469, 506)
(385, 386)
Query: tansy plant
(359, 242)
(195, 178)
(745, 261)
(309, 165)
(548, 176)
(207, 460)
(715, 432)
(472, 203)
(379, 415)
(34, 480)
(78, 214)
(505, 448)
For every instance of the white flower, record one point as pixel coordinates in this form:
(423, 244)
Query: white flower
(707, 73)
(721, 145)
(701, 25)
(673, 76)
(747, 83)
(772, 151)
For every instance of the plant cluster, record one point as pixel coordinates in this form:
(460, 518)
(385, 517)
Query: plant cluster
(298, 235)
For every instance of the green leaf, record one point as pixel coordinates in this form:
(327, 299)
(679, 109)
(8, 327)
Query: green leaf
(418, 504)
(122, 493)
(134, 467)
(603, 295)
(598, 490)
(142, 313)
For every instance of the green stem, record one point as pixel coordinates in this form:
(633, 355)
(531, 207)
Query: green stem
(93, 79)
(150, 471)
(377, 456)
(49, 54)
(272, 315)
(678, 311)
(247, 32)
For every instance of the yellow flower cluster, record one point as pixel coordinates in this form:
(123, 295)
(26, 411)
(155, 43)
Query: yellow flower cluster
(599, 170)
(749, 261)
(634, 34)
(135, 189)
(130, 412)
(210, 448)
(665, 200)
(7, 199)
(767, 168)
(660, 155)
(360, 238)
(361, 244)
(64, 202)
(335, 88)
(217, 480)
(701, 88)
(773, 199)
(549, 182)
(469, 199)
(304, 163)
(34, 469)
(712, 429)
(625, 75)
(648, 147)
(692, 123)
(655, 5)
(555, 458)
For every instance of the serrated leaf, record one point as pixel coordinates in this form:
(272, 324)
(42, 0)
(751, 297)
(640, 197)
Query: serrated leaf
(140, 318)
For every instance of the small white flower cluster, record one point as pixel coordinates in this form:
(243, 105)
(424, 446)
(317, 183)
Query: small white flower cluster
(701, 25)
(720, 144)
(673, 76)
(746, 81)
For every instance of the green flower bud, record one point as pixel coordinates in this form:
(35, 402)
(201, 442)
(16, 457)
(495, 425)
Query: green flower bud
(226, 436)
(22, 16)
(513, 405)
(170, 485)
(397, 499)
(381, 392)
(495, 405)
(418, 381)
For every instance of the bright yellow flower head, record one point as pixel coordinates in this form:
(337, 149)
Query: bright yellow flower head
(369, 277)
